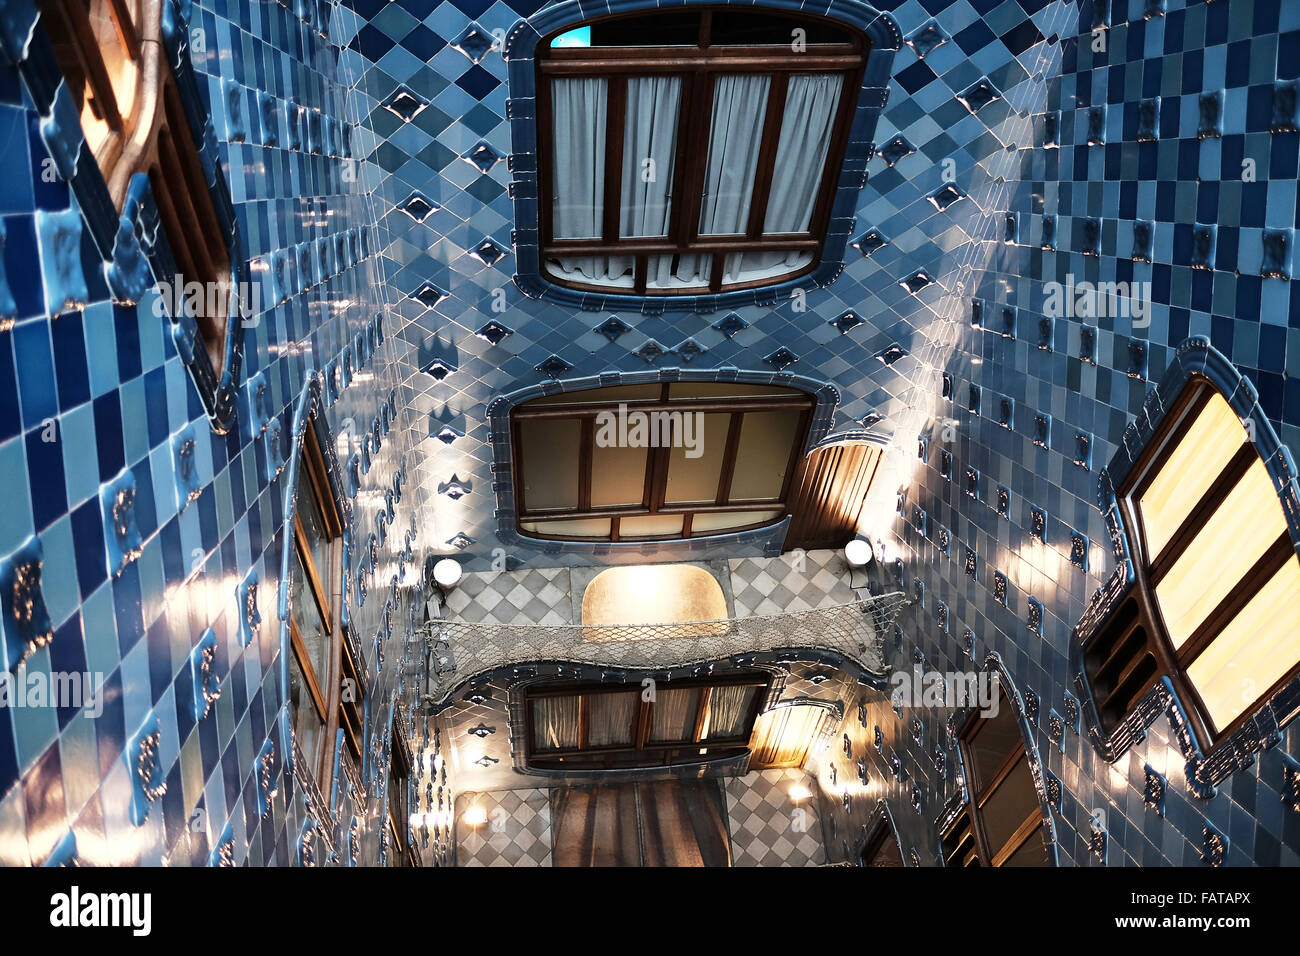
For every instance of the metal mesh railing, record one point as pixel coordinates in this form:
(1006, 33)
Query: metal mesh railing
(462, 649)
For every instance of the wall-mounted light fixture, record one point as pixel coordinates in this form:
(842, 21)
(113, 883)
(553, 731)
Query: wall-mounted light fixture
(859, 554)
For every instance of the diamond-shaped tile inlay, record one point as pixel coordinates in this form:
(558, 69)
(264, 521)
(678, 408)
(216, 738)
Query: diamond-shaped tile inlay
(494, 332)
(429, 294)
(651, 352)
(917, 281)
(460, 541)
(945, 197)
(553, 366)
(868, 243)
(847, 321)
(475, 42)
(612, 328)
(439, 369)
(781, 358)
(926, 40)
(405, 104)
(891, 354)
(488, 253)
(871, 419)
(730, 324)
(455, 489)
(896, 150)
(483, 157)
(418, 207)
(979, 96)
(689, 350)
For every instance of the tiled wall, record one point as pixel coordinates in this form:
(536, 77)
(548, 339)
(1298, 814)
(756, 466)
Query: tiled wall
(101, 389)
(1011, 93)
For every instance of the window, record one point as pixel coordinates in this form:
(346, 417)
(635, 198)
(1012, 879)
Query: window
(401, 852)
(603, 727)
(656, 461)
(111, 55)
(692, 151)
(1002, 822)
(320, 699)
(1217, 577)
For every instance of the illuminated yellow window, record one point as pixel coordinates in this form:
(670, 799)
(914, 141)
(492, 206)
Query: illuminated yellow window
(1214, 607)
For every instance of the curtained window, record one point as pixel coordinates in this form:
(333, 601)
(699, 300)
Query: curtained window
(692, 151)
(600, 727)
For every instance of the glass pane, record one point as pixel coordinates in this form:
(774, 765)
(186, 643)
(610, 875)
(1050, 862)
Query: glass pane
(573, 528)
(732, 28)
(578, 107)
(1009, 806)
(1256, 650)
(308, 726)
(729, 709)
(658, 29)
(313, 525)
(807, 128)
(992, 742)
(650, 526)
(753, 266)
(610, 718)
(1033, 852)
(549, 462)
(614, 271)
(555, 723)
(1232, 540)
(727, 390)
(617, 475)
(599, 396)
(678, 272)
(763, 456)
(705, 523)
(311, 626)
(696, 478)
(1189, 471)
(739, 108)
(649, 153)
(674, 715)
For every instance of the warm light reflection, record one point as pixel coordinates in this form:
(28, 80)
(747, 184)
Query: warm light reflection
(474, 816)
(799, 792)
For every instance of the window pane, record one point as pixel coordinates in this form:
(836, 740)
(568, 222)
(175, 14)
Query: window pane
(763, 456)
(549, 462)
(1234, 538)
(617, 475)
(752, 266)
(575, 528)
(610, 718)
(724, 521)
(1033, 852)
(1256, 650)
(308, 726)
(991, 743)
(739, 108)
(674, 715)
(649, 151)
(729, 709)
(696, 479)
(1189, 471)
(1009, 806)
(658, 29)
(555, 723)
(313, 526)
(731, 28)
(578, 105)
(807, 127)
(678, 272)
(311, 626)
(650, 526)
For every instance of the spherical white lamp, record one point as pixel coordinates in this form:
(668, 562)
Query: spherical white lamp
(446, 573)
(859, 553)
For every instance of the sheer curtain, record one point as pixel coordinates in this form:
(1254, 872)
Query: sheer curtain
(555, 723)
(579, 105)
(728, 708)
(810, 105)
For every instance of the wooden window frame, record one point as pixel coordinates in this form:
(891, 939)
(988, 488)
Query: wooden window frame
(698, 67)
(397, 813)
(654, 489)
(642, 726)
(979, 794)
(154, 139)
(1174, 663)
(325, 587)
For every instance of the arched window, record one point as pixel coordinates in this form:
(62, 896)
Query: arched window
(692, 151)
(113, 60)
(1002, 821)
(658, 461)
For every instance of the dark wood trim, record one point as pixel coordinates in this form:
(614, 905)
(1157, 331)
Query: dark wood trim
(614, 127)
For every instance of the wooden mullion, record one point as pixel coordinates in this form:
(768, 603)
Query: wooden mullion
(729, 458)
(586, 454)
(76, 19)
(545, 125)
(616, 113)
(819, 222)
(1032, 824)
(308, 670)
(706, 29)
(659, 487)
(717, 270)
(640, 274)
(646, 60)
(1199, 516)
(686, 524)
(693, 164)
(314, 577)
(584, 716)
(762, 188)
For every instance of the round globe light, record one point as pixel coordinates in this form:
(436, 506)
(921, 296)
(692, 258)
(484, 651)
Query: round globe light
(859, 553)
(447, 573)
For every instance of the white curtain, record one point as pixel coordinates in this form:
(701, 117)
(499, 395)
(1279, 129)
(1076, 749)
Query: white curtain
(579, 107)
(555, 723)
